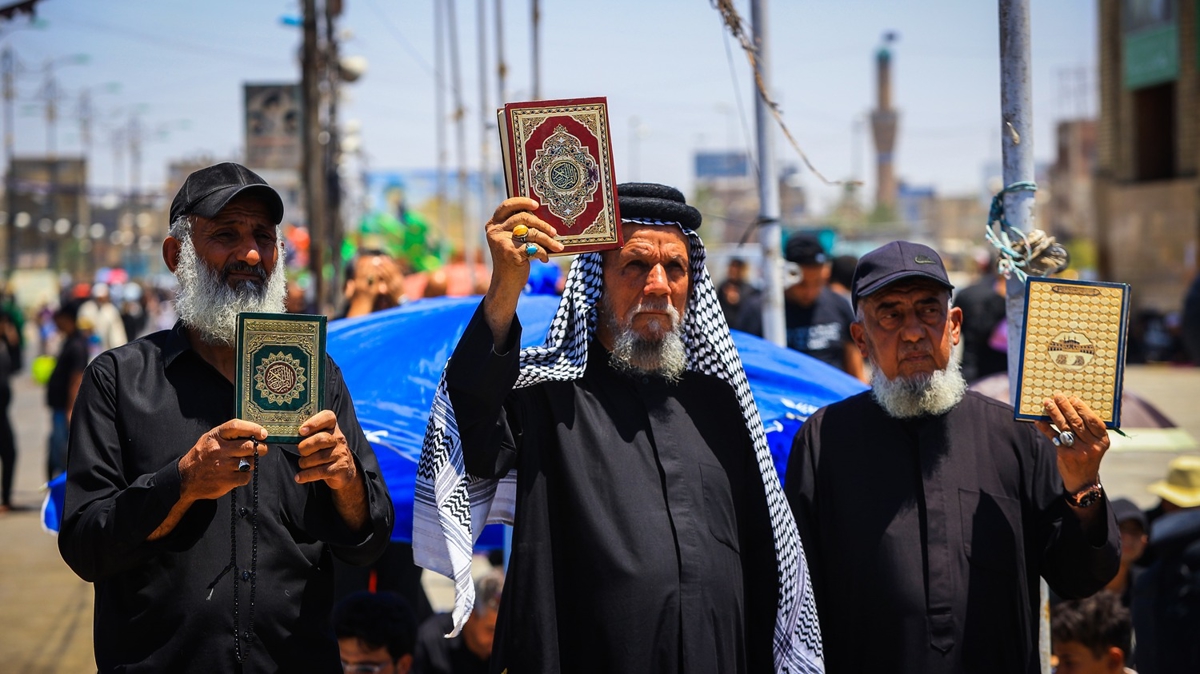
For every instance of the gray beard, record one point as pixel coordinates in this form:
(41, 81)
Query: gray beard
(633, 354)
(205, 302)
(922, 395)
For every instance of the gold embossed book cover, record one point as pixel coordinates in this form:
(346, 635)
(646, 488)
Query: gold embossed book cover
(280, 372)
(1074, 343)
(559, 153)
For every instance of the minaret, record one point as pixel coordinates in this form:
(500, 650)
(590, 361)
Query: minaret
(883, 127)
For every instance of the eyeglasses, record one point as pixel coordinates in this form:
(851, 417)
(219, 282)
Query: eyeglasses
(363, 667)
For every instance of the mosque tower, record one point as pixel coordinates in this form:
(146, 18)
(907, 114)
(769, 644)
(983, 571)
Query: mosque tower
(883, 127)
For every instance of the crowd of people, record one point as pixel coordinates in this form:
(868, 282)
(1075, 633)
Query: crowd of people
(651, 531)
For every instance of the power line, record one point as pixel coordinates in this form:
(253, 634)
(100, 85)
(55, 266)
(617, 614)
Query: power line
(207, 50)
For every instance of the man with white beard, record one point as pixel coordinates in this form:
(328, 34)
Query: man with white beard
(650, 533)
(927, 512)
(210, 550)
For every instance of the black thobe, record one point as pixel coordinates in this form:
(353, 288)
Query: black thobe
(642, 540)
(140, 408)
(926, 537)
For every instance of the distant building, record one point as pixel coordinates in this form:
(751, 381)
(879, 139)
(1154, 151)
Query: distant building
(727, 194)
(1070, 212)
(49, 199)
(1147, 195)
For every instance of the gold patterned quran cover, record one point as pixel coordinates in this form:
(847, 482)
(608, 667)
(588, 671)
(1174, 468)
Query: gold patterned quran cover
(1074, 343)
(559, 153)
(280, 372)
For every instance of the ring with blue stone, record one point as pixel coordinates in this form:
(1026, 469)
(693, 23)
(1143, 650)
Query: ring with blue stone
(531, 250)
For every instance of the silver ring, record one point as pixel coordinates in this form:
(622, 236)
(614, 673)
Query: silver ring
(1065, 439)
(243, 465)
(522, 240)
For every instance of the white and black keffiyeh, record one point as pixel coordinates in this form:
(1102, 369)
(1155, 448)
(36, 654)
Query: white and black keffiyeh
(452, 507)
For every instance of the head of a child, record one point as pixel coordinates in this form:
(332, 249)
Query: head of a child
(1091, 636)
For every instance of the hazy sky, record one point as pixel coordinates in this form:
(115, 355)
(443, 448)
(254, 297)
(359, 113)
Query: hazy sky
(666, 63)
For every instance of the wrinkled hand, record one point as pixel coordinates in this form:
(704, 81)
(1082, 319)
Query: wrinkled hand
(1078, 464)
(510, 262)
(324, 453)
(209, 470)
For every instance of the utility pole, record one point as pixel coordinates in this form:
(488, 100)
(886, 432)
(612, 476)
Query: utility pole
(439, 60)
(8, 62)
(487, 118)
(770, 231)
(536, 17)
(333, 188)
(1016, 142)
(313, 175)
(501, 66)
(470, 242)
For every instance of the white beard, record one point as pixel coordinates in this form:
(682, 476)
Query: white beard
(922, 395)
(665, 356)
(205, 302)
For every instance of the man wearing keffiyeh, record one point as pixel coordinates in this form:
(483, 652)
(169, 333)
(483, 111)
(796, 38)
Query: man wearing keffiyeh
(650, 531)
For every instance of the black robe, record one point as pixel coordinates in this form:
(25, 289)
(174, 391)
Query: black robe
(642, 540)
(926, 537)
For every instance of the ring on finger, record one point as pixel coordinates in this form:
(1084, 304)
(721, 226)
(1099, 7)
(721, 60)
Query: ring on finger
(1065, 439)
(531, 250)
(521, 234)
(243, 465)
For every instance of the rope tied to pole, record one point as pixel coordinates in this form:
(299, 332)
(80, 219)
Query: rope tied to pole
(1023, 255)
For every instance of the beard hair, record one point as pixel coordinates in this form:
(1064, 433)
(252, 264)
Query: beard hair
(663, 355)
(920, 395)
(205, 302)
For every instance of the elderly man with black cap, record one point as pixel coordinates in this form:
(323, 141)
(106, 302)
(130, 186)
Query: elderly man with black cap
(928, 513)
(650, 531)
(210, 550)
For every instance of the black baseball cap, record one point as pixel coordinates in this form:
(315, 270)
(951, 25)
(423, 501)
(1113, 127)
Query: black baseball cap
(805, 250)
(1125, 510)
(207, 191)
(894, 261)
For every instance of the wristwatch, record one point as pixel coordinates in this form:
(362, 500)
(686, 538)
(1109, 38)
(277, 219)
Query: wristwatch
(1086, 497)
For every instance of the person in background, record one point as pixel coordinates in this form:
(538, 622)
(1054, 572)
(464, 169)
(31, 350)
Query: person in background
(1166, 596)
(1092, 636)
(374, 282)
(1132, 523)
(469, 652)
(841, 274)
(735, 291)
(983, 308)
(10, 362)
(104, 318)
(133, 310)
(1191, 321)
(63, 387)
(818, 319)
(375, 632)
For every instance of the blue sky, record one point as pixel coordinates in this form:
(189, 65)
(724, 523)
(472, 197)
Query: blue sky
(181, 65)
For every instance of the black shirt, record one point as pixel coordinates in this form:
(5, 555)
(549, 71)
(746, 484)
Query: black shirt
(642, 540)
(822, 330)
(141, 407)
(72, 358)
(926, 537)
(435, 654)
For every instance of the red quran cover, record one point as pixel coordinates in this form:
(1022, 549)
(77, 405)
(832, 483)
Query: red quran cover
(559, 153)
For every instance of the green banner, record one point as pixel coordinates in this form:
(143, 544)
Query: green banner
(1151, 56)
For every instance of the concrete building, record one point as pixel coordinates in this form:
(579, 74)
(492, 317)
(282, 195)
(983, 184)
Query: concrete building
(1148, 149)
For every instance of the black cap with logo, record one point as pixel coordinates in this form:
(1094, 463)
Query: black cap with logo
(207, 191)
(894, 261)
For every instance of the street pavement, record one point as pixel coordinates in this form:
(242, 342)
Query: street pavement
(46, 610)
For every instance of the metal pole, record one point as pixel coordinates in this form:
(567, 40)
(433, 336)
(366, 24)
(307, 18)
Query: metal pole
(313, 176)
(770, 232)
(536, 17)
(439, 60)
(9, 62)
(487, 118)
(470, 242)
(1016, 134)
(334, 229)
(501, 66)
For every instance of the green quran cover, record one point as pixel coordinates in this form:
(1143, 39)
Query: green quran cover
(280, 373)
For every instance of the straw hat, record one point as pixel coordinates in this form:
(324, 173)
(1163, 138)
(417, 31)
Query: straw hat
(1182, 486)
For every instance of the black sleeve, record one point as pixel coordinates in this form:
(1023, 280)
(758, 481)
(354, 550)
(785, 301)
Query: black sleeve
(355, 547)
(106, 517)
(478, 381)
(1075, 562)
(759, 569)
(800, 487)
